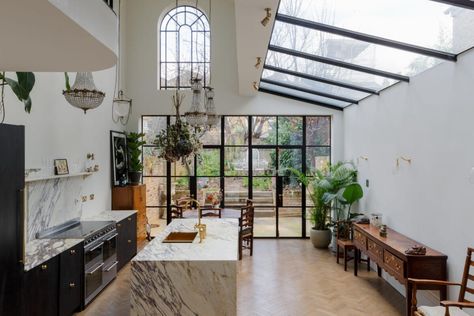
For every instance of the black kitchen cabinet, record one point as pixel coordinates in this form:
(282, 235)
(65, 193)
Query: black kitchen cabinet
(40, 289)
(71, 278)
(126, 240)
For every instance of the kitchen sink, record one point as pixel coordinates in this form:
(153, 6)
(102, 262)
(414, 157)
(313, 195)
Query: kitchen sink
(180, 237)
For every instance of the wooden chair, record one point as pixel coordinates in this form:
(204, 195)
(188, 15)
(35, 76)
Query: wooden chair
(344, 241)
(209, 211)
(447, 308)
(246, 228)
(176, 211)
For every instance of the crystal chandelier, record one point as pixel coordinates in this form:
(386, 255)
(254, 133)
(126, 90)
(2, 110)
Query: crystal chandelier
(212, 117)
(196, 116)
(83, 94)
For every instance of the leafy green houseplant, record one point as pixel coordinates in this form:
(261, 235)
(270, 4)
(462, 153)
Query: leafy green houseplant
(134, 144)
(20, 87)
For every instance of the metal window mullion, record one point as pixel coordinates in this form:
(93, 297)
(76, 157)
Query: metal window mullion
(299, 99)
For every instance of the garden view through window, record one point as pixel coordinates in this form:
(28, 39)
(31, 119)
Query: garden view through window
(244, 157)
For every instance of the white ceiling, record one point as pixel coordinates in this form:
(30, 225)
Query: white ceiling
(252, 40)
(37, 36)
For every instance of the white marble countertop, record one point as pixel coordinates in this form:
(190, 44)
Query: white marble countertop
(220, 243)
(39, 251)
(109, 216)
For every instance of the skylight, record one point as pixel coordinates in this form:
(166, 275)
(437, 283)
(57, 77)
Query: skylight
(337, 52)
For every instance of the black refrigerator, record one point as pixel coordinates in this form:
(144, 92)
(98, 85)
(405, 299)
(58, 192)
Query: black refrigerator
(12, 183)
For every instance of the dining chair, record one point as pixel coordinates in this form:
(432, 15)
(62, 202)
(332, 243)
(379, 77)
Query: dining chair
(246, 221)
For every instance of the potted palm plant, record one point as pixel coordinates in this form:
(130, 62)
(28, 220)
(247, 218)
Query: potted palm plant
(134, 144)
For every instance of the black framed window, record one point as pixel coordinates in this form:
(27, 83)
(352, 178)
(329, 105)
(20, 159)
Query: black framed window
(245, 157)
(184, 48)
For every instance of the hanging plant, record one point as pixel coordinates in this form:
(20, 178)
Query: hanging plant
(178, 142)
(20, 87)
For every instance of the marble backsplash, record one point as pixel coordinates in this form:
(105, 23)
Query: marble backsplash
(52, 202)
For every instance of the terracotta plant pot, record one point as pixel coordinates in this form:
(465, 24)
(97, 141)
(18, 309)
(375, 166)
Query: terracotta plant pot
(134, 177)
(321, 238)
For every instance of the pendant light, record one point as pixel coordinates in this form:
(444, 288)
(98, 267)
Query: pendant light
(84, 94)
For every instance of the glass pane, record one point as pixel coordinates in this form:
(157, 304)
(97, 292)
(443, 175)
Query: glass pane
(328, 71)
(290, 130)
(152, 165)
(309, 225)
(292, 192)
(156, 216)
(303, 95)
(264, 162)
(207, 188)
(419, 22)
(179, 169)
(314, 85)
(179, 188)
(265, 222)
(155, 191)
(236, 130)
(317, 158)
(289, 159)
(212, 136)
(309, 189)
(152, 125)
(209, 162)
(289, 222)
(236, 161)
(264, 191)
(349, 50)
(318, 131)
(236, 191)
(263, 130)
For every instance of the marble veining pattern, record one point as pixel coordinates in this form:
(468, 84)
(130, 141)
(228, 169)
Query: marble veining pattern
(51, 203)
(39, 251)
(109, 216)
(188, 279)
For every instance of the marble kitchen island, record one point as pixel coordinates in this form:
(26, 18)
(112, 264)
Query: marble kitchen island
(188, 278)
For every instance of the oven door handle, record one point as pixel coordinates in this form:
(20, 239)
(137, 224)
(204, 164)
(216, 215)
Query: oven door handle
(98, 246)
(97, 268)
(111, 237)
(111, 267)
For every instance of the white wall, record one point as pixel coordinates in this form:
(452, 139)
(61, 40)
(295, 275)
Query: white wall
(140, 21)
(429, 120)
(55, 129)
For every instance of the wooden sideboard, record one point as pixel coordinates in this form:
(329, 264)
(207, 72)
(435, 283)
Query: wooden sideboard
(132, 197)
(389, 254)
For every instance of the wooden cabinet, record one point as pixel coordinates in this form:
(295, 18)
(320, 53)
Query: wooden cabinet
(126, 240)
(40, 289)
(132, 198)
(71, 276)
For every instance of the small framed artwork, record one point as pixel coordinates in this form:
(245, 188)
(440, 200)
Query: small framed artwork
(60, 167)
(118, 142)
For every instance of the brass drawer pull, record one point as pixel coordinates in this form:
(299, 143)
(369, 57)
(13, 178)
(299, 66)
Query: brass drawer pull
(72, 285)
(73, 252)
(129, 241)
(44, 267)
(119, 225)
(129, 219)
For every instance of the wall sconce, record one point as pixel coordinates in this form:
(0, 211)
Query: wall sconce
(259, 62)
(402, 158)
(121, 108)
(255, 86)
(266, 19)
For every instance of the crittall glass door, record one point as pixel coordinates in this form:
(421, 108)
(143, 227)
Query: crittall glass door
(245, 157)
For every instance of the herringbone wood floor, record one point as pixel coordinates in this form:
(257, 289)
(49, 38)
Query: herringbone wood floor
(285, 277)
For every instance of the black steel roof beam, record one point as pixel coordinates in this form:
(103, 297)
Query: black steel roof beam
(284, 95)
(320, 79)
(366, 37)
(466, 4)
(338, 63)
(309, 91)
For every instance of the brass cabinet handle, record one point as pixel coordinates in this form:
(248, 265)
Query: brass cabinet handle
(44, 267)
(119, 225)
(129, 219)
(73, 252)
(72, 285)
(129, 241)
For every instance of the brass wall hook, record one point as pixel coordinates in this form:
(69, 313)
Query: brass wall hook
(403, 158)
(259, 62)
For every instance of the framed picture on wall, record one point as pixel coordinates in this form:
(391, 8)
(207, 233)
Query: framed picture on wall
(118, 141)
(60, 167)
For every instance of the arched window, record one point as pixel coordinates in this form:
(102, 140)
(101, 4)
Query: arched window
(184, 48)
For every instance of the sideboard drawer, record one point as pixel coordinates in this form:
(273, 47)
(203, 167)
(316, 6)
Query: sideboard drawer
(394, 265)
(360, 240)
(374, 250)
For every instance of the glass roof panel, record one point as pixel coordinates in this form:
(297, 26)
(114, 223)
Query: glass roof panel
(313, 85)
(349, 50)
(303, 95)
(418, 22)
(327, 71)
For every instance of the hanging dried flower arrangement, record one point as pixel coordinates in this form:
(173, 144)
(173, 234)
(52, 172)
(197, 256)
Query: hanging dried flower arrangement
(178, 141)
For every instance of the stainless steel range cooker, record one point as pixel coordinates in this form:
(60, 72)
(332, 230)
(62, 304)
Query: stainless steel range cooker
(100, 251)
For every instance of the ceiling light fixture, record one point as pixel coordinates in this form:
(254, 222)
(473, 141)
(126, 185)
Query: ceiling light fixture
(259, 62)
(266, 19)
